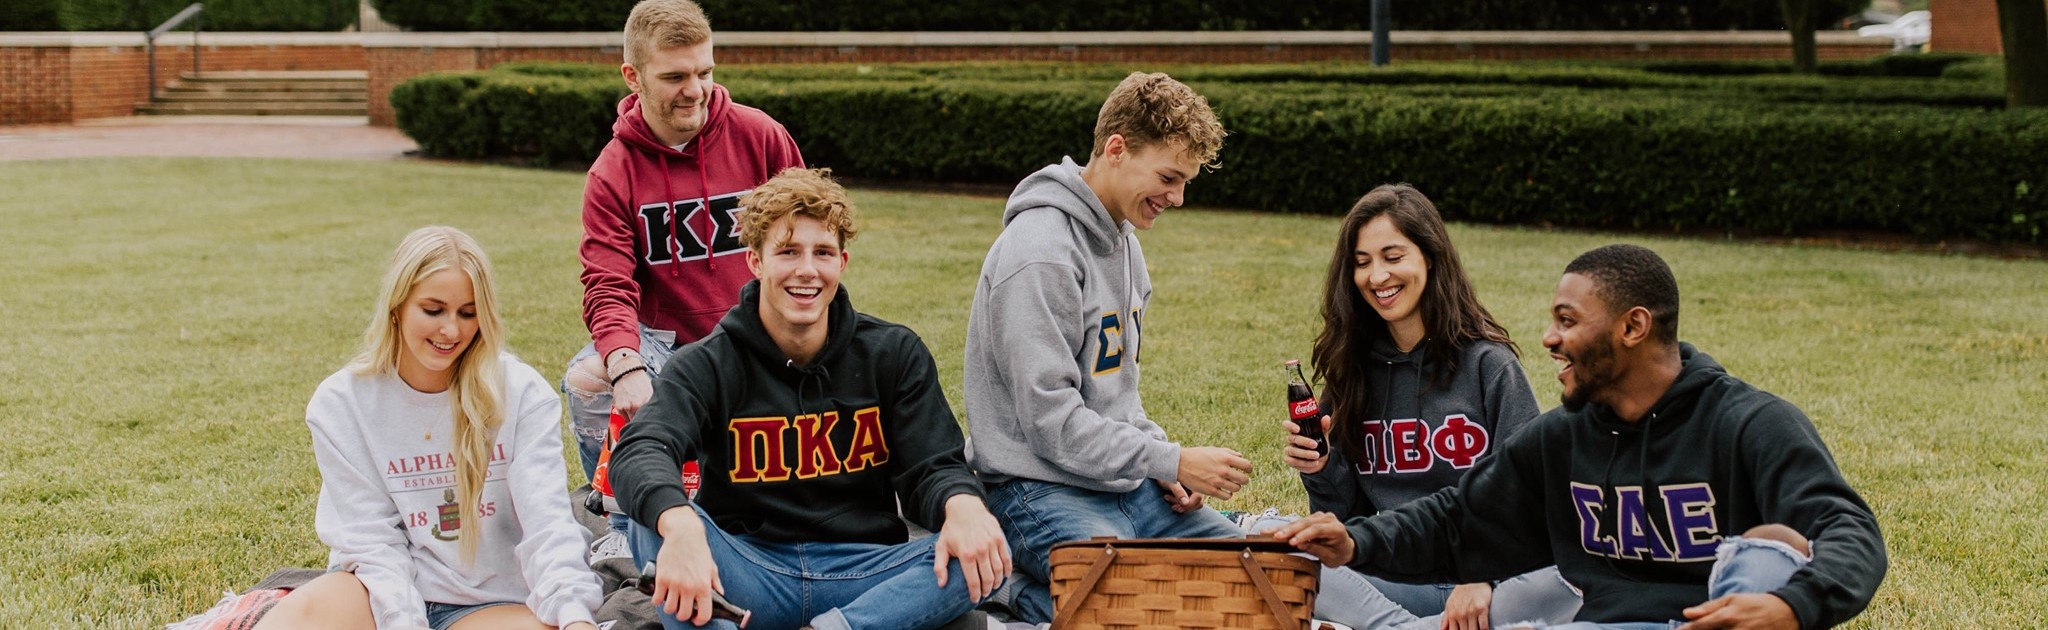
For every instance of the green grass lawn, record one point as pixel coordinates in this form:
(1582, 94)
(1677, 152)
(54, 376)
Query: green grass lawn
(167, 320)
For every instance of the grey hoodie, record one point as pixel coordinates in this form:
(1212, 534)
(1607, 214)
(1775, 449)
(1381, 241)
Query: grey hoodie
(1053, 345)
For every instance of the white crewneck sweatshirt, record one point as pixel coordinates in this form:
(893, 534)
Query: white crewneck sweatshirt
(388, 509)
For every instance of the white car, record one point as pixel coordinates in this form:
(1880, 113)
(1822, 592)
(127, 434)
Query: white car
(1909, 31)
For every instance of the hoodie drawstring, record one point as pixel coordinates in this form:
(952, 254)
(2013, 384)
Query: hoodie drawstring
(805, 374)
(668, 199)
(704, 199)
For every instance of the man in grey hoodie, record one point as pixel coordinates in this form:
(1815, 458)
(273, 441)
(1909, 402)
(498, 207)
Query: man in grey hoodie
(1060, 433)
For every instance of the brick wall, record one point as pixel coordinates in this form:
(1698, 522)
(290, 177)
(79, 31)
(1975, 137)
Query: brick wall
(35, 85)
(65, 77)
(1965, 26)
(62, 77)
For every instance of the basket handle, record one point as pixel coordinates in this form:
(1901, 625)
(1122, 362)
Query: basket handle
(1273, 603)
(1087, 587)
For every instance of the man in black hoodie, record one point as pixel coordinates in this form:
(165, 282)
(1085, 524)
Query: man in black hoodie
(813, 422)
(1664, 488)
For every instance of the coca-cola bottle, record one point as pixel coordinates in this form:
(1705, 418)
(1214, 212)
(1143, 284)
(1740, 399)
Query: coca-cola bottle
(1303, 409)
(720, 608)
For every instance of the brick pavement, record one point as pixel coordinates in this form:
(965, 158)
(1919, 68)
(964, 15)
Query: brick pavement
(319, 137)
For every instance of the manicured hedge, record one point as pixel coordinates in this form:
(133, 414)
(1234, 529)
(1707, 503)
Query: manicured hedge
(1665, 153)
(505, 15)
(142, 15)
(1095, 15)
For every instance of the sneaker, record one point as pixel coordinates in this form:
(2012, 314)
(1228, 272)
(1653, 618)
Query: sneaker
(1250, 522)
(610, 545)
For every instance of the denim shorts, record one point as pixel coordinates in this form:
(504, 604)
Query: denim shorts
(440, 616)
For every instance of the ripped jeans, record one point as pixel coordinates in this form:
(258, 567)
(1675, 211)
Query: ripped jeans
(1741, 565)
(590, 411)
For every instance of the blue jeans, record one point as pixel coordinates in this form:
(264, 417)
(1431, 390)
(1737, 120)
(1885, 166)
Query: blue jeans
(590, 412)
(828, 585)
(1741, 565)
(441, 616)
(1039, 514)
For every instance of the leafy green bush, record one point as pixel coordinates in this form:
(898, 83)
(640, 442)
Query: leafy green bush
(1607, 149)
(1981, 69)
(1893, 65)
(142, 15)
(435, 15)
(442, 112)
(1094, 15)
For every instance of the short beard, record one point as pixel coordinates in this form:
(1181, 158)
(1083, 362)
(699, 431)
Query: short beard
(1596, 367)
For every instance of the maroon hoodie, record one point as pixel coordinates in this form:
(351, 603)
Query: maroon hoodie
(661, 243)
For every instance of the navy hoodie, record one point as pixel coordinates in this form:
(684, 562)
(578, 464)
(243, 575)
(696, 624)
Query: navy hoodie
(1631, 512)
(818, 453)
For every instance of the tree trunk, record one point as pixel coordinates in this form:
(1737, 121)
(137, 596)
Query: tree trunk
(1799, 21)
(2023, 25)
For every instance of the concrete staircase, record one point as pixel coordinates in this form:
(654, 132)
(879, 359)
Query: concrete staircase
(256, 93)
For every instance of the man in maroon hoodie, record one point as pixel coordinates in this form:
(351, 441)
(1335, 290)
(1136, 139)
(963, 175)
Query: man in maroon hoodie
(662, 259)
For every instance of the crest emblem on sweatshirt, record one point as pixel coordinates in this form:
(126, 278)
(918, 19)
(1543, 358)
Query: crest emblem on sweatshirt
(451, 517)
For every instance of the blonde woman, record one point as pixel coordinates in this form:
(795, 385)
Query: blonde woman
(441, 495)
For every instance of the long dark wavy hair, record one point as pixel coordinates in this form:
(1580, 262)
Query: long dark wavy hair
(1452, 317)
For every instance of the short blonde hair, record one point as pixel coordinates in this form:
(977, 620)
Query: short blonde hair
(805, 191)
(664, 24)
(1153, 109)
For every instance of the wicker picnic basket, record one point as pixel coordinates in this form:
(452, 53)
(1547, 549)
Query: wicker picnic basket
(1173, 583)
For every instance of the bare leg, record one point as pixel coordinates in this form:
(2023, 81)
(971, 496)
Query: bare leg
(1780, 533)
(336, 600)
(586, 377)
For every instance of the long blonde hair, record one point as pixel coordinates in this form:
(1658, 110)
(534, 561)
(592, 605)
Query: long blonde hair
(478, 386)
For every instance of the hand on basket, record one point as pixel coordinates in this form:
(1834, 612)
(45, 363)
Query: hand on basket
(1321, 535)
(1467, 607)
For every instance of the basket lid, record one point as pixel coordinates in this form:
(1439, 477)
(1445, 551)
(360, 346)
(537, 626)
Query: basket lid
(1259, 544)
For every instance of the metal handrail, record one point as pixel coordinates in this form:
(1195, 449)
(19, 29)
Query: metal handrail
(149, 40)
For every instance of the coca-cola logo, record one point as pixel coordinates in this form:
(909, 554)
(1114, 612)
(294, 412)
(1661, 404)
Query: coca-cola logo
(1302, 409)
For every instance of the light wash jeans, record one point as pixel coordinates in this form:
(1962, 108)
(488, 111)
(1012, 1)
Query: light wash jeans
(828, 585)
(1741, 565)
(1353, 599)
(1039, 514)
(590, 412)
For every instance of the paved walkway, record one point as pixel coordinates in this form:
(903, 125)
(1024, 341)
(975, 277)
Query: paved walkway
(325, 137)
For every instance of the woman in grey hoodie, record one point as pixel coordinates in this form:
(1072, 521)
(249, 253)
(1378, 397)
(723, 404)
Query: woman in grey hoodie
(1421, 384)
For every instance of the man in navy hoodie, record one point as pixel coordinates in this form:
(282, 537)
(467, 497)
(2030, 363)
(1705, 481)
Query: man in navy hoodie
(661, 250)
(813, 422)
(1664, 488)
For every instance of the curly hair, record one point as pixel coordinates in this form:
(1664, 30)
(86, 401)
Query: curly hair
(1148, 109)
(805, 191)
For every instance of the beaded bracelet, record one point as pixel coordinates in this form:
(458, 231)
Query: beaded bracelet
(630, 370)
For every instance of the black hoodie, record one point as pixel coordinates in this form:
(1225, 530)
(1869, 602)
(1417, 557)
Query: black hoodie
(883, 431)
(1718, 457)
